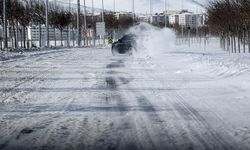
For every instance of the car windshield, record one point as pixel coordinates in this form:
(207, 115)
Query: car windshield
(128, 37)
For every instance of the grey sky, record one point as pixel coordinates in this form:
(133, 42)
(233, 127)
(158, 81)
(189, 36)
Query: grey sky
(142, 6)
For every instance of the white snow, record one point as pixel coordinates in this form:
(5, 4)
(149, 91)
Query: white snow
(166, 96)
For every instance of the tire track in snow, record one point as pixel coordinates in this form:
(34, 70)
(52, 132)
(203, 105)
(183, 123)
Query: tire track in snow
(22, 132)
(211, 139)
(22, 58)
(112, 83)
(154, 123)
(118, 135)
(145, 132)
(30, 79)
(154, 118)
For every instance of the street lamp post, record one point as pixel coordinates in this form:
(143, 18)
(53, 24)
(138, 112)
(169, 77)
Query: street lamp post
(85, 24)
(103, 21)
(133, 10)
(92, 11)
(68, 28)
(165, 13)
(93, 34)
(5, 24)
(151, 8)
(47, 22)
(78, 24)
(102, 11)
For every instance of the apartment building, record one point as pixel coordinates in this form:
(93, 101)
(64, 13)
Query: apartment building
(159, 19)
(191, 20)
(143, 18)
(174, 19)
(123, 14)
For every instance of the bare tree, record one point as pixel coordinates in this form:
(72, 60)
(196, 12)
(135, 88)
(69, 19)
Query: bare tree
(231, 20)
(60, 19)
(38, 15)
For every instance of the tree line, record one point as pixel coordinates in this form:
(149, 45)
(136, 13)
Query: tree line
(230, 20)
(24, 13)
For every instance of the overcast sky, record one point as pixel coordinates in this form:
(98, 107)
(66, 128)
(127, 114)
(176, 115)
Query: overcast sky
(143, 6)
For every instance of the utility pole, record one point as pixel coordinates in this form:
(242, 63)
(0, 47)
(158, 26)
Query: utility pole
(47, 22)
(5, 24)
(133, 10)
(151, 8)
(102, 11)
(92, 18)
(68, 28)
(165, 13)
(78, 24)
(103, 21)
(93, 26)
(85, 24)
(40, 33)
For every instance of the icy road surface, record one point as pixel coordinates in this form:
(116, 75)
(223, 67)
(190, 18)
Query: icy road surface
(87, 99)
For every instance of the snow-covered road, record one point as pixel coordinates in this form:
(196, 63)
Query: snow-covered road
(87, 99)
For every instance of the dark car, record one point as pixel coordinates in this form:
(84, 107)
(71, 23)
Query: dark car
(125, 45)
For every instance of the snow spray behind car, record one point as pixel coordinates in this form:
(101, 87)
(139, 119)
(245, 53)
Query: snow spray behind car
(151, 41)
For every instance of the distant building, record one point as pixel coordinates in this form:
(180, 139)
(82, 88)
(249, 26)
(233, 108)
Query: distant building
(185, 18)
(174, 19)
(184, 11)
(191, 20)
(159, 19)
(171, 12)
(143, 18)
(204, 18)
(118, 15)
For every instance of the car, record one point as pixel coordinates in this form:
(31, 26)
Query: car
(125, 45)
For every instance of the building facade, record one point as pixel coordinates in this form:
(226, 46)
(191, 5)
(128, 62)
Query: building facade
(159, 19)
(174, 19)
(191, 20)
(118, 15)
(179, 18)
(143, 18)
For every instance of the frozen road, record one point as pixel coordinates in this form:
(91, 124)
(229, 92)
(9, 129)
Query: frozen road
(87, 99)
